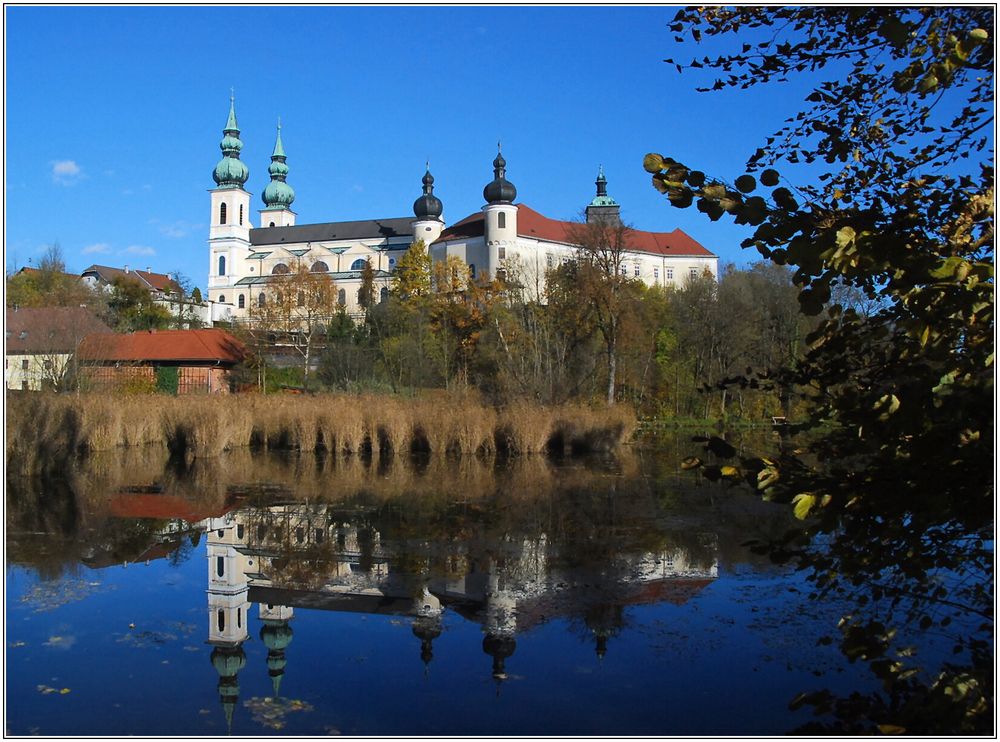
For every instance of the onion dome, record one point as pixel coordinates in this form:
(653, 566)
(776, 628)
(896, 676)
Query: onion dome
(278, 194)
(500, 190)
(276, 635)
(499, 647)
(427, 630)
(602, 198)
(428, 206)
(231, 172)
(228, 661)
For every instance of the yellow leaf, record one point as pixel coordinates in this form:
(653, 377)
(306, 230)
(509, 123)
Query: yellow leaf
(802, 504)
(730, 471)
(64, 691)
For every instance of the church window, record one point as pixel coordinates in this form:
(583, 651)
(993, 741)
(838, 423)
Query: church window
(358, 265)
(239, 618)
(302, 299)
(271, 224)
(220, 566)
(384, 295)
(261, 299)
(300, 535)
(241, 213)
(241, 301)
(502, 253)
(222, 298)
(261, 533)
(342, 298)
(222, 213)
(222, 265)
(320, 267)
(501, 220)
(392, 262)
(221, 618)
(472, 270)
(239, 532)
(279, 270)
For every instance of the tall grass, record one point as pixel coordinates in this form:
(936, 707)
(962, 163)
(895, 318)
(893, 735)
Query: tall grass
(44, 429)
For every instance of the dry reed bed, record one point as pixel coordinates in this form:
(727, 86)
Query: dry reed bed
(53, 428)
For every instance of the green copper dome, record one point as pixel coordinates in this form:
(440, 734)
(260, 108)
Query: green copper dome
(602, 198)
(278, 194)
(231, 172)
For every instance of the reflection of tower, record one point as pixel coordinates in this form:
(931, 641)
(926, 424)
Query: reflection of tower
(501, 622)
(276, 635)
(227, 608)
(228, 661)
(427, 624)
(604, 620)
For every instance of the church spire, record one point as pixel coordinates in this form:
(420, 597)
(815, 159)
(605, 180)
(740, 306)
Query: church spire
(500, 190)
(231, 172)
(278, 194)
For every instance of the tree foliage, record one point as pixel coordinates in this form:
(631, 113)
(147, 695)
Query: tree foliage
(894, 485)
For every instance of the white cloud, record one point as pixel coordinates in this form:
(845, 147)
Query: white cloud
(175, 229)
(357, 188)
(101, 247)
(66, 172)
(139, 250)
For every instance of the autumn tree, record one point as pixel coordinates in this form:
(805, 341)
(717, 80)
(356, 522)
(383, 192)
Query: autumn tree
(897, 204)
(49, 285)
(603, 284)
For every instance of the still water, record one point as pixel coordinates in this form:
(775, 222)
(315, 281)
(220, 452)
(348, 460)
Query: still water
(264, 595)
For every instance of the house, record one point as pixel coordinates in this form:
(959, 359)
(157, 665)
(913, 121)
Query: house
(40, 344)
(178, 361)
(161, 286)
(505, 239)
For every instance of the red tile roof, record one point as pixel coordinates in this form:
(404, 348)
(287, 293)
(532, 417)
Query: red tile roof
(531, 224)
(49, 329)
(148, 279)
(198, 346)
(159, 506)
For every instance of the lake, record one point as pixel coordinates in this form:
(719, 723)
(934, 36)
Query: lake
(258, 594)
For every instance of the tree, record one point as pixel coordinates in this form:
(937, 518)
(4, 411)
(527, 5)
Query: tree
(366, 292)
(892, 482)
(412, 277)
(602, 283)
(131, 308)
(49, 285)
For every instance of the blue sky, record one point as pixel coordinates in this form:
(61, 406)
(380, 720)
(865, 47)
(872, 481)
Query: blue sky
(114, 116)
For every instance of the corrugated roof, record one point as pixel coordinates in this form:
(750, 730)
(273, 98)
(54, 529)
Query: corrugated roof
(199, 346)
(533, 225)
(49, 329)
(364, 229)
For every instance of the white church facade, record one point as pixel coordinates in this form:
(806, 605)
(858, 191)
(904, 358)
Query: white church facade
(502, 239)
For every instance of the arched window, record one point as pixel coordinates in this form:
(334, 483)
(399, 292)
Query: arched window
(222, 620)
(358, 265)
(320, 267)
(271, 224)
(239, 618)
(222, 265)
(222, 213)
(502, 220)
(472, 270)
(302, 299)
(261, 300)
(222, 298)
(220, 566)
(241, 213)
(383, 295)
(342, 298)
(280, 269)
(241, 301)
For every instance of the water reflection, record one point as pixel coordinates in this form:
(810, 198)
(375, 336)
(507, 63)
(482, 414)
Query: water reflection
(503, 545)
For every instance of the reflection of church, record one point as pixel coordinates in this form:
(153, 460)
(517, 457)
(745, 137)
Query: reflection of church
(295, 556)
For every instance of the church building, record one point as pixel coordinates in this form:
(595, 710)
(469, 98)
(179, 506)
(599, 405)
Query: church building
(505, 239)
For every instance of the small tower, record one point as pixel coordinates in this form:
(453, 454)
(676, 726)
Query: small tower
(427, 208)
(603, 207)
(229, 230)
(228, 661)
(278, 196)
(276, 635)
(499, 216)
(228, 590)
